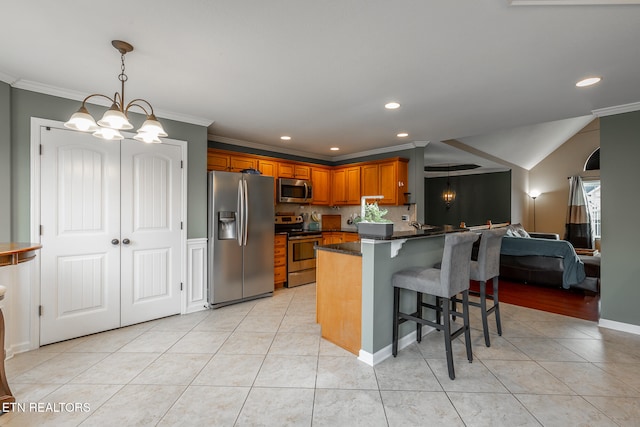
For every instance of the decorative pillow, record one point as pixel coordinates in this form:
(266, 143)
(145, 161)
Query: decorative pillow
(516, 230)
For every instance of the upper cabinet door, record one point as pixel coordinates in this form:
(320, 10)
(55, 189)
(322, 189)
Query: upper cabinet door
(320, 181)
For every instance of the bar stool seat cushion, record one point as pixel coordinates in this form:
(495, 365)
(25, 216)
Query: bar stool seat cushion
(424, 280)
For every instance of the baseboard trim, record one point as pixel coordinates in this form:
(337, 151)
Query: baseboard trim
(386, 352)
(619, 326)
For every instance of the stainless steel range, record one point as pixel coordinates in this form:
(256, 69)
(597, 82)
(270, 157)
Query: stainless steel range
(301, 254)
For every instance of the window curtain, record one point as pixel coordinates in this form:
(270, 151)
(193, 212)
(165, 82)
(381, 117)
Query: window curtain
(578, 228)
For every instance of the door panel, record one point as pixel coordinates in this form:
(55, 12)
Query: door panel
(80, 215)
(151, 215)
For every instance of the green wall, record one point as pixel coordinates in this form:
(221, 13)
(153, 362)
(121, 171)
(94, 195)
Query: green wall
(620, 270)
(5, 161)
(479, 198)
(26, 104)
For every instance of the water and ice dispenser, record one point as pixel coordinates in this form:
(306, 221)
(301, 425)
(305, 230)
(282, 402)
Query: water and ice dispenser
(227, 229)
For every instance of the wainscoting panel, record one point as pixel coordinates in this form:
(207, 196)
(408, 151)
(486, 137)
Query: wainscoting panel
(196, 297)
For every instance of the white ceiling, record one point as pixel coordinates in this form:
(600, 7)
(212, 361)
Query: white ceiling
(498, 78)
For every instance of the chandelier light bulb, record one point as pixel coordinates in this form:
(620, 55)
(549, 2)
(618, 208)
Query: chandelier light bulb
(115, 119)
(152, 126)
(148, 138)
(82, 121)
(108, 134)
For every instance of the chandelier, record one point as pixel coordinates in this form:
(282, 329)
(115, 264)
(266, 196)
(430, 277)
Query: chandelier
(115, 118)
(448, 195)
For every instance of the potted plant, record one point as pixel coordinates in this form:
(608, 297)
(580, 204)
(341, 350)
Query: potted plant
(372, 223)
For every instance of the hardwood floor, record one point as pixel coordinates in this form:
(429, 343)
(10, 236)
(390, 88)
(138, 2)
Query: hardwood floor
(553, 300)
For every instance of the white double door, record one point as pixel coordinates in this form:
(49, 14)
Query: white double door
(111, 233)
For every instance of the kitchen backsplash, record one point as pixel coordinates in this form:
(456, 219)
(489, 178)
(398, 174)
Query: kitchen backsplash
(346, 212)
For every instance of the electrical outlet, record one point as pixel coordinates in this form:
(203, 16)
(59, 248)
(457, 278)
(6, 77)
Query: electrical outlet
(405, 217)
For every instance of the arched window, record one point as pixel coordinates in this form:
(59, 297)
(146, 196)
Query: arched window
(592, 188)
(593, 162)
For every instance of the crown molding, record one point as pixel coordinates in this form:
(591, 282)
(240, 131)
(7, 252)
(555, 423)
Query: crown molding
(382, 150)
(79, 96)
(617, 109)
(7, 78)
(571, 2)
(272, 148)
(257, 146)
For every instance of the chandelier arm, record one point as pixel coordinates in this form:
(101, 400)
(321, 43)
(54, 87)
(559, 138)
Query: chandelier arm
(134, 102)
(112, 100)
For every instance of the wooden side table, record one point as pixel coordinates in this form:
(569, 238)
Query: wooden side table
(11, 254)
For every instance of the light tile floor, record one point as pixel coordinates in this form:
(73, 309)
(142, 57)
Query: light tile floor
(263, 362)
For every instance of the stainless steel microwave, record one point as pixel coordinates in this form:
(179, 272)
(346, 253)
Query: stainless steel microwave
(294, 191)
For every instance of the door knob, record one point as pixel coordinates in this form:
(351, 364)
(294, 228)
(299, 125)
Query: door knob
(126, 241)
(115, 241)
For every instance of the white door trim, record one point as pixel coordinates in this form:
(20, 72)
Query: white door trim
(36, 124)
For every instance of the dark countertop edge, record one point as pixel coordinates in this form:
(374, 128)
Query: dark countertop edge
(413, 234)
(349, 248)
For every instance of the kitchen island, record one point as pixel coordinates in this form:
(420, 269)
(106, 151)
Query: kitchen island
(354, 292)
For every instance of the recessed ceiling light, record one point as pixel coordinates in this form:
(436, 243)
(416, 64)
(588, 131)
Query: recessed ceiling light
(402, 135)
(334, 149)
(588, 81)
(391, 105)
(285, 138)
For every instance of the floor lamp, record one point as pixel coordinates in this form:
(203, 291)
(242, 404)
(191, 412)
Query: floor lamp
(534, 194)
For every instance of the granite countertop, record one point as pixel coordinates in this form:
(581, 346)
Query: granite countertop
(426, 232)
(340, 230)
(355, 248)
(349, 248)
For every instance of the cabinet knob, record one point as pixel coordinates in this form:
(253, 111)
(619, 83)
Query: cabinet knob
(126, 241)
(115, 241)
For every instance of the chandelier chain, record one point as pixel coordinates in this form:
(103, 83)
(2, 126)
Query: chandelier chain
(122, 77)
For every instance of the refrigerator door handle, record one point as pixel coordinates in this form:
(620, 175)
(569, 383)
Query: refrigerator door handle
(246, 213)
(240, 219)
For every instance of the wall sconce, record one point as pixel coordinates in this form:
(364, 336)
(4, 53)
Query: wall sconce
(534, 194)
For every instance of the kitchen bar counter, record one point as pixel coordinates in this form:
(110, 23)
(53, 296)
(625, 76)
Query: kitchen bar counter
(354, 292)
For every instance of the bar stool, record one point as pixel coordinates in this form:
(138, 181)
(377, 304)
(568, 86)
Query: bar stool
(444, 283)
(486, 268)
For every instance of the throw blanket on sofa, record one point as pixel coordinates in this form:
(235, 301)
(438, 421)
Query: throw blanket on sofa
(573, 268)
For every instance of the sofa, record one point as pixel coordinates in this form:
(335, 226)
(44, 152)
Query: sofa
(544, 259)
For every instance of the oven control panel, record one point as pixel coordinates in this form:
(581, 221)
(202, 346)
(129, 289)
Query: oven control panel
(288, 219)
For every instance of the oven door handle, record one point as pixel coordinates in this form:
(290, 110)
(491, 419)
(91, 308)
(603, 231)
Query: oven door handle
(305, 237)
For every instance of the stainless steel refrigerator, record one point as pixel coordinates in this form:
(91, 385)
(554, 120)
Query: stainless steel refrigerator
(240, 232)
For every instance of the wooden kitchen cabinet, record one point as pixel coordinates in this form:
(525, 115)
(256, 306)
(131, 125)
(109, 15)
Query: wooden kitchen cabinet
(320, 179)
(268, 168)
(388, 178)
(229, 163)
(345, 186)
(292, 170)
(280, 260)
(217, 161)
(350, 237)
(339, 299)
(239, 163)
(333, 237)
